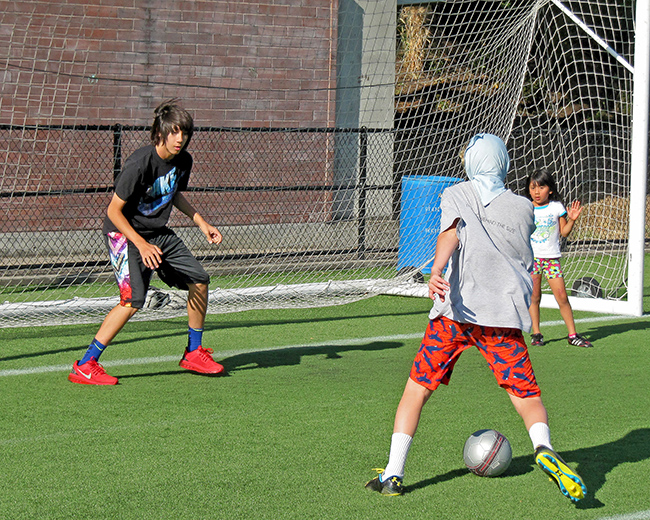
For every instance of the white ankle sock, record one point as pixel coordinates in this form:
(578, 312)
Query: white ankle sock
(400, 444)
(540, 435)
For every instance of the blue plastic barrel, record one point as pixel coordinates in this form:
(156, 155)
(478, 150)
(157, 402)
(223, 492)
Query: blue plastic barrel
(419, 224)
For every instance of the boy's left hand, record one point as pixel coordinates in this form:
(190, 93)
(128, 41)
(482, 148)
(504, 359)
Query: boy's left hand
(213, 235)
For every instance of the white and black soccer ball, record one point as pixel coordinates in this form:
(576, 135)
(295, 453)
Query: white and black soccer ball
(487, 453)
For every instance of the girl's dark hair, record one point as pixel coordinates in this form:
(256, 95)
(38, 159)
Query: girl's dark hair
(543, 178)
(168, 118)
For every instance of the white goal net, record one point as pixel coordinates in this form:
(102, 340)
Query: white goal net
(320, 159)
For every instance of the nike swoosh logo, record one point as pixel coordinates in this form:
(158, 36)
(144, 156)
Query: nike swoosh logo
(87, 376)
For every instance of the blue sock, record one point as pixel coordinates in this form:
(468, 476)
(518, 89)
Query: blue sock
(194, 338)
(94, 351)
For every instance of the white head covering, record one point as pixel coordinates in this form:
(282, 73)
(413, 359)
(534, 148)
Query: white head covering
(486, 164)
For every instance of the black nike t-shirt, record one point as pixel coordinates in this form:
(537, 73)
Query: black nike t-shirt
(148, 184)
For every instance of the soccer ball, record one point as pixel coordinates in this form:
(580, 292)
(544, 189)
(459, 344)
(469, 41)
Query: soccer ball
(487, 453)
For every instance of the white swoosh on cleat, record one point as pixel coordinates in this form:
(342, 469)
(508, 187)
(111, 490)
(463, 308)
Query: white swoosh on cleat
(87, 376)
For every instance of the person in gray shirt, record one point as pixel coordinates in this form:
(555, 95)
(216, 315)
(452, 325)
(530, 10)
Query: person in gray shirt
(482, 300)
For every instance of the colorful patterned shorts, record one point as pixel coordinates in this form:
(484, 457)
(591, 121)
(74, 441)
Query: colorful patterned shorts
(550, 267)
(177, 269)
(504, 349)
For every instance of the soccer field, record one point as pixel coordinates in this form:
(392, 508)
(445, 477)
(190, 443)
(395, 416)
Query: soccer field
(304, 414)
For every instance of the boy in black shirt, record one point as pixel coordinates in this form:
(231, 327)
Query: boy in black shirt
(140, 242)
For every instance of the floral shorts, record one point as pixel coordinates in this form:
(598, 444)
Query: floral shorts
(550, 267)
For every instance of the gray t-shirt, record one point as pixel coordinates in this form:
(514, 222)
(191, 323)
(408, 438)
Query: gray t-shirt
(489, 273)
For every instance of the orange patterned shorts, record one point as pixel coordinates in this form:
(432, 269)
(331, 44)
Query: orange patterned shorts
(504, 349)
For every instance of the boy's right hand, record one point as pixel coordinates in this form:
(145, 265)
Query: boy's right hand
(151, 254)
(438, 285)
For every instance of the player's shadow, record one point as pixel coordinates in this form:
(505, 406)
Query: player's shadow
(276, 357)
(164, 330)
(593, 464)
(596, 462)
(292, 356)
(602, 331)
(75, 348)
(598, 332)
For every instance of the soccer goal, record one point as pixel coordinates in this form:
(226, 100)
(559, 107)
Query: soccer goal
(325, 136)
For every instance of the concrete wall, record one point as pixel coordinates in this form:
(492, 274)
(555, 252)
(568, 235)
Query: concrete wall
(365, 98)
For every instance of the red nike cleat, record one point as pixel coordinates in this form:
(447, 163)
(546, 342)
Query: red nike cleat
(90, 373)
(200, 361)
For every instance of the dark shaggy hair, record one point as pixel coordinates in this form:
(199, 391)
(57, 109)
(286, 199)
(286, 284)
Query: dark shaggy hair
(169, 118)
(543, 178)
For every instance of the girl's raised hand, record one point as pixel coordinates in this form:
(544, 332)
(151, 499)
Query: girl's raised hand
(573, 211)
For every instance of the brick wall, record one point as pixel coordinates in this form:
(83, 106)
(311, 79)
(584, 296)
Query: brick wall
(101, 62)
(240, 63)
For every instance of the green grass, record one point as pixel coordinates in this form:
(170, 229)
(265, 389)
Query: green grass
(606, 269)
(293, 432)
(106, 287)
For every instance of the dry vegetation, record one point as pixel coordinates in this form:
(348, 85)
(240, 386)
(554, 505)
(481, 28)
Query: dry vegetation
(422, 64)
(415, 38)
(607, 219)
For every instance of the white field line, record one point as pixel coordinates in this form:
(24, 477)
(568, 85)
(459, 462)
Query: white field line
(217, 355)
(639, 515)
(229, 353)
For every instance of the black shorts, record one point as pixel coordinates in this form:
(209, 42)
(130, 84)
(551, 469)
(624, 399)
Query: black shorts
(177, 269)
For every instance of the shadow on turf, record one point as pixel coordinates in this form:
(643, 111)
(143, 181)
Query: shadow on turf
(603, 331)
(276, 358)
(592, 463)
(518, 466)
(292, 356)
(596, 333)
(596, 462)
(166, 329)
(49, 352)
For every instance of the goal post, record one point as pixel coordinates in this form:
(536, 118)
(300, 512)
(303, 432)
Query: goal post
(638, 188)
(633, 305)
